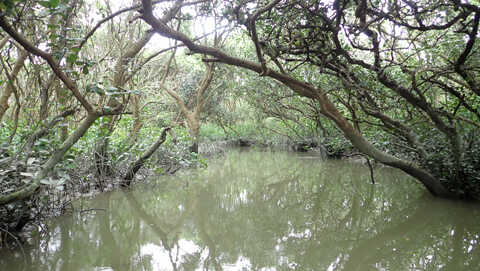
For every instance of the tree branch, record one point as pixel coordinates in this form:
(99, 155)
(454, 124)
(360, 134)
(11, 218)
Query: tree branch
(56, 69)
(253, 32)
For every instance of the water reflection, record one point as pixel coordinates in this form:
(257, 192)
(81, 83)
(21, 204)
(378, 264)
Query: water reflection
(263, 211)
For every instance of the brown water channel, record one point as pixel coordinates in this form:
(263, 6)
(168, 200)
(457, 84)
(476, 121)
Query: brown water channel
(261, 210)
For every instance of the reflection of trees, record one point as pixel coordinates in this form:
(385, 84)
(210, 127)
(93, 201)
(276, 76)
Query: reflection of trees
(200, 209)
(88, 240)
(308, 215)
(397, 242)
(428, 238)
(158, 228)
(331, 219)
(108, 244)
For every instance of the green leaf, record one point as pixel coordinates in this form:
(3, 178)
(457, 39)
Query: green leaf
(54, 3)
(50, 4)
(52, 26)
(45, 4)
(72, 58)
(85, 69)
(53, 37)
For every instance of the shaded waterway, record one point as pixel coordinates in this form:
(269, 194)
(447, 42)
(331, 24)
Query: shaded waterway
(261, 210)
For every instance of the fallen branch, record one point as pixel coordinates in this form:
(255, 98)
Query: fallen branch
(135, 167)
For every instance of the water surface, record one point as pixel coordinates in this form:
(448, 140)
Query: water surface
(261, 210)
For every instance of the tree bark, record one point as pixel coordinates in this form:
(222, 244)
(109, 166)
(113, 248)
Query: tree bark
(138, 123)
(108, 124)
(3, 42)
(7, 92)
(193, 116)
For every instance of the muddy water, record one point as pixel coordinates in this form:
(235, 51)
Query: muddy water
(261, 210)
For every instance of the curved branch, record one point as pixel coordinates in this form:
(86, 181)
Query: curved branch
(444, 26)
(463, 57)
(51, 62)
(108, 18)
(253, 31)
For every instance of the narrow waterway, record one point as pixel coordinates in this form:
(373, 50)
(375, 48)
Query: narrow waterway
(262, 210)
